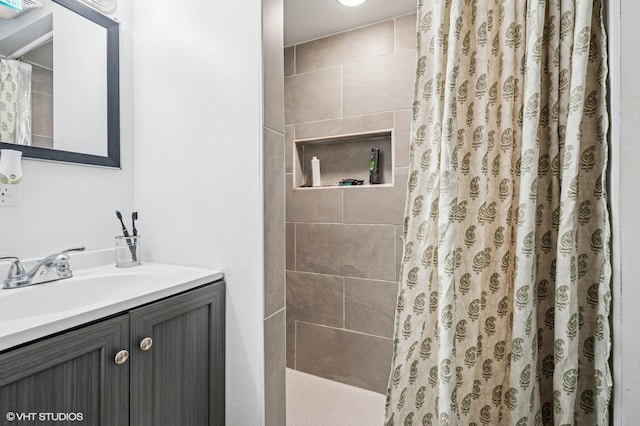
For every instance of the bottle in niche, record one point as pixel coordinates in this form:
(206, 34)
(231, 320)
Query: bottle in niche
(374, 176)
(315, 172)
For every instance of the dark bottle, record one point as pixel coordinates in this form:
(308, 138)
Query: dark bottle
(374, 176)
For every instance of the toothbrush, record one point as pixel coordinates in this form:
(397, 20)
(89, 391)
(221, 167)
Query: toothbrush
(134, 217)
(126, 235)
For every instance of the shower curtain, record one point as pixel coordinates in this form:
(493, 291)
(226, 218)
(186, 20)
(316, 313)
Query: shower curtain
(502, 314)
(15, 102)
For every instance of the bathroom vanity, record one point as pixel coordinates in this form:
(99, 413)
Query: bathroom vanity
(151, 356)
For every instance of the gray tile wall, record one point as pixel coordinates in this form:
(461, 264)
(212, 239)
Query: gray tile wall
(41, 107)
(343, 245)
(273, 161)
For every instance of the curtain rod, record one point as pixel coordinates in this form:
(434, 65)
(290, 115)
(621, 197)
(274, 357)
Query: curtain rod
(33, 45)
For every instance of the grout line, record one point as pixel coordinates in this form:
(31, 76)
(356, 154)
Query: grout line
(275, 313)
(274, 130)
(395, 35)
(341, 90)
(394, 159)
(350, 224)
(368, 114)
(413, 12)
(357, 61)
(42, 94)
(295, 245)
(295, 344)
(342, 207)
(395, 246)
(344, 304)
(312, 72)
(344, 329)
(295, 159)
(346, 276)
(295, 59)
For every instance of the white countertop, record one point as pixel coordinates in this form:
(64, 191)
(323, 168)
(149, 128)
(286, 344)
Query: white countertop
(92, 293)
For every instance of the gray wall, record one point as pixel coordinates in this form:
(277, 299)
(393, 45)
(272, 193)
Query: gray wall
(343, 246)
(274, 230)
(626, 204)
(41, 107)
(41, 95)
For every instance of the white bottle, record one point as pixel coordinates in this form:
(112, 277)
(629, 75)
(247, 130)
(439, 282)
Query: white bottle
(315, 172)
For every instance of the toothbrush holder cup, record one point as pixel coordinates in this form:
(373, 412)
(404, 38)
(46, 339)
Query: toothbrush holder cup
(128, 251)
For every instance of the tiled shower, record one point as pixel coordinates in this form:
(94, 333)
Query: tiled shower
(343, 244)
(41, 95)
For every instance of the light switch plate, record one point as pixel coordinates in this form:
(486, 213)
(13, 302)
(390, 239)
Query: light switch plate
(10, 195)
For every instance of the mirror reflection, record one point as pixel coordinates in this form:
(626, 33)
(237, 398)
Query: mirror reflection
(55, 87)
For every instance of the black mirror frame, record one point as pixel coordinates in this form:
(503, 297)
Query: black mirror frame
(113, 99)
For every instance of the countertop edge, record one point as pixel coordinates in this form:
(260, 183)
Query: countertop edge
(38, 331)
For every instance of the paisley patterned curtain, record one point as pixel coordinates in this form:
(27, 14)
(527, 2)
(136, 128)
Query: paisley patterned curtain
(15, 102)
(502, 315)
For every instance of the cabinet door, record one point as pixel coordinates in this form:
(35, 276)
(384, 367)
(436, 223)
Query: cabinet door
(73, 374)
(179, 380)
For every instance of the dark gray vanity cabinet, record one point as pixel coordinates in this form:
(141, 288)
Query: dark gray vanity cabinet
(73, 373)
(179, 380)
(174, 373)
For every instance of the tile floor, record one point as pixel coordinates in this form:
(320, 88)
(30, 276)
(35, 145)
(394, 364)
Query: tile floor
(314, 401)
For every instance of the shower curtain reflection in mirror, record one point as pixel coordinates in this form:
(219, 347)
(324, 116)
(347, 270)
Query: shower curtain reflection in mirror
(15, 102)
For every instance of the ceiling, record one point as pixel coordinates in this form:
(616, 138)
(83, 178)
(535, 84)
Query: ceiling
(306, 20)
(28, 30)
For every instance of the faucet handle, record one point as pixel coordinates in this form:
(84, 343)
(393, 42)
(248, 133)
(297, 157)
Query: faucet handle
(16, 270)
(62, 263)
(73, 249)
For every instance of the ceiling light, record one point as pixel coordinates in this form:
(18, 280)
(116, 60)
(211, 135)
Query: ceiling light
(351, 2)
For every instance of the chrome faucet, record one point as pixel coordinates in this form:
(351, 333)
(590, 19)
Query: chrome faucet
(51, 268)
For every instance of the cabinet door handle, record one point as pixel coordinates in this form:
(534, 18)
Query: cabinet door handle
(122, 357)
(146, 343)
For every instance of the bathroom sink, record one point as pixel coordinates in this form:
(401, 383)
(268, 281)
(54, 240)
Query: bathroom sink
(78, 292)
(36, 311)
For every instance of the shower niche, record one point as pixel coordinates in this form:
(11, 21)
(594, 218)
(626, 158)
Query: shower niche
(344, 157)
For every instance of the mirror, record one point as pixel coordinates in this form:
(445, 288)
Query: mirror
(59, 61)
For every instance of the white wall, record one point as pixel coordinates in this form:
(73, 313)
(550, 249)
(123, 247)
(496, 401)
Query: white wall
(79, 106)
(197, 75)
(66, 205)
(627, 341)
